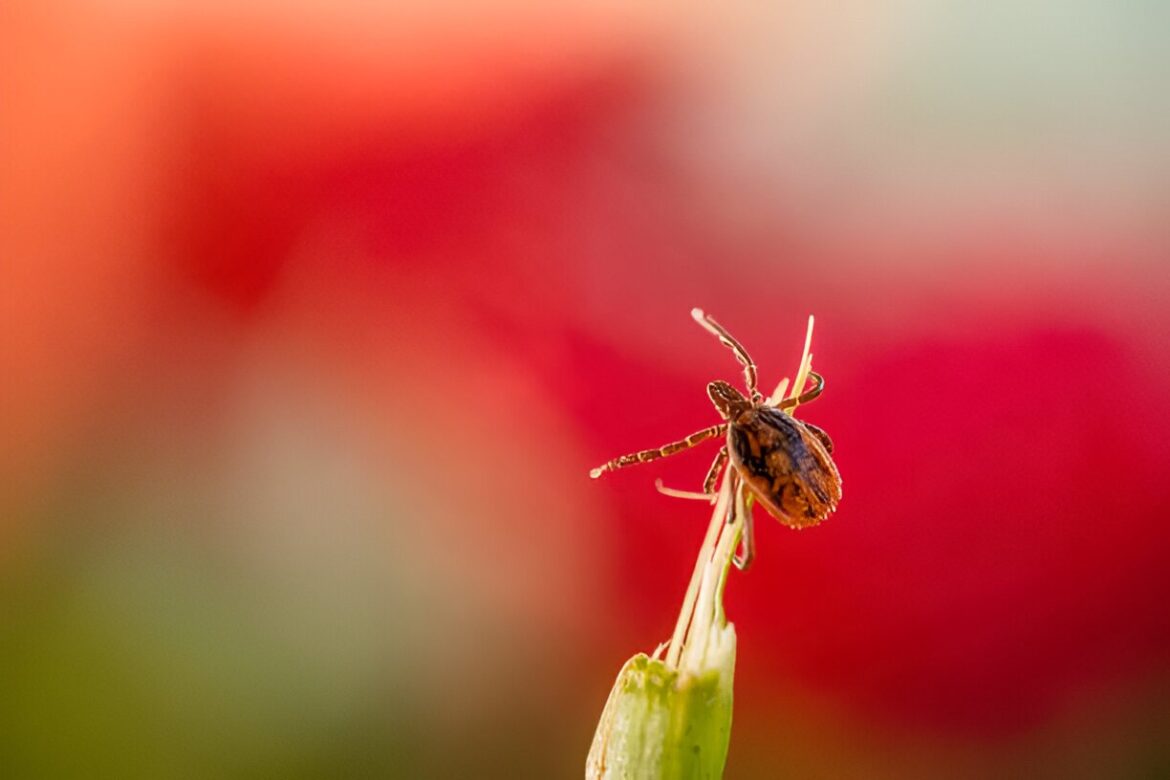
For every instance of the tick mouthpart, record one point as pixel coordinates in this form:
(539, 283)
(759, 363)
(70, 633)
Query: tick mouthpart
(728, 401)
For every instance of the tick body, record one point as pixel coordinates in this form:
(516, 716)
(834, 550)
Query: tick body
(785, 463)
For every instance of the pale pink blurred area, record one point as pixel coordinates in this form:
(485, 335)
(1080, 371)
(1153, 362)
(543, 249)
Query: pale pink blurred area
(315, 317)
(215, 386)
(120, 115)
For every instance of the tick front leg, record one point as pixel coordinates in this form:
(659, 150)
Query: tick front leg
(729, 341)
(661, 452)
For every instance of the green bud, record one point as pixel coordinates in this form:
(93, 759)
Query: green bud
(665, 723)
(670, 719)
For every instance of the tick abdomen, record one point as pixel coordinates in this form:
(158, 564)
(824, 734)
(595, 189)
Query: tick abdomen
(785, 465)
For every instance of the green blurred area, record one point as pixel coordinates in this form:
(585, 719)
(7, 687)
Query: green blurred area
(144, 657)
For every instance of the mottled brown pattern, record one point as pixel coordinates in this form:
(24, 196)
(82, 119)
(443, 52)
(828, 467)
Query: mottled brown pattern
(786, 466)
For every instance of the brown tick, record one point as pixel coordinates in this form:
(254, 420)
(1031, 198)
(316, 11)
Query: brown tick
(785, 463)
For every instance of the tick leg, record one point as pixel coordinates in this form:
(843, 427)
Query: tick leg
(804, 398)
(749, 365)
(708, 493)
(713, 472)
(663, 451)
(747, 545)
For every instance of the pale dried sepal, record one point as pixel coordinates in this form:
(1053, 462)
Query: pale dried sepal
(663, 724)
(671, 718)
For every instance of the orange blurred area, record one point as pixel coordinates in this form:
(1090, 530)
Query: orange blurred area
(316, 316)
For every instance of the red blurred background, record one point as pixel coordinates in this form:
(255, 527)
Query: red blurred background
(316, 317)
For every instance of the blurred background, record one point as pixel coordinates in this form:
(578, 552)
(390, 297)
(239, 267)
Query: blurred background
(316, 315)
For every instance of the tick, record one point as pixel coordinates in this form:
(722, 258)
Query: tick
(785, 464)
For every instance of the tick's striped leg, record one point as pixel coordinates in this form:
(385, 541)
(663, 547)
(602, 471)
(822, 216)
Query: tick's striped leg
(713, 472)
(749, 365)
(804, 398)
(661, 452)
